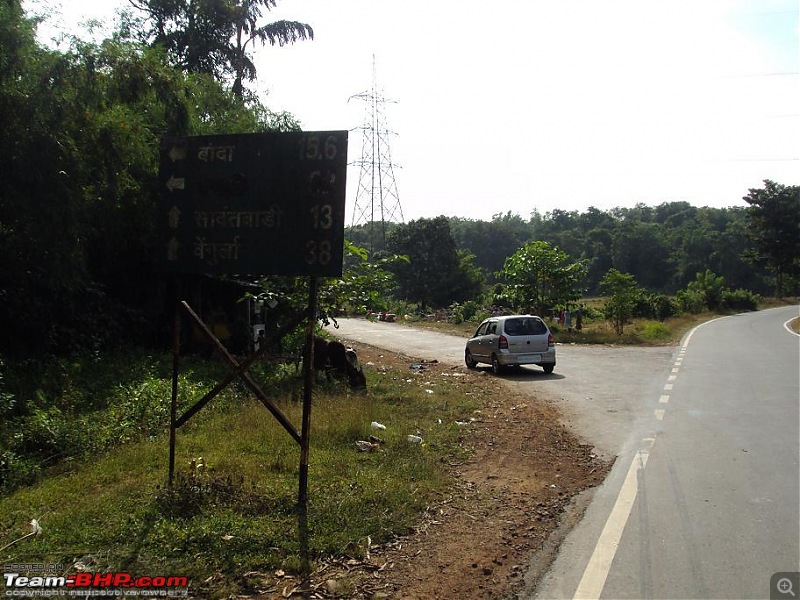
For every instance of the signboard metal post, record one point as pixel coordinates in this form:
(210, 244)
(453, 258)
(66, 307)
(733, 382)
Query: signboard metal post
(255, 204)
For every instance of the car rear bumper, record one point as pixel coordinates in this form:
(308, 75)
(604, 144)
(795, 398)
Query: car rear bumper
(532, 358)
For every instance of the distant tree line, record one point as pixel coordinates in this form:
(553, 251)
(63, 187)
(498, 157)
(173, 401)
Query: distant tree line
(662, 248)
(79, 196)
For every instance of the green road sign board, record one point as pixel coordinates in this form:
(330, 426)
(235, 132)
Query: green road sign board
(254, 204)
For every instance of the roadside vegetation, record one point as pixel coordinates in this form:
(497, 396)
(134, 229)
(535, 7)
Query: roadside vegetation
(86, 314)
(232, 508)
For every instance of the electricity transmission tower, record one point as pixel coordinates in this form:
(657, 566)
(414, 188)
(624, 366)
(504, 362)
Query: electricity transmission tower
(377, 201)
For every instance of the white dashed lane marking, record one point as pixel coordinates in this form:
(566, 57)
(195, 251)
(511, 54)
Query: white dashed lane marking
(596, 573)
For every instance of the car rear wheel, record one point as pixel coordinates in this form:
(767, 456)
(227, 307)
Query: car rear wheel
(471, 363)
(497, 368)
(548, 368)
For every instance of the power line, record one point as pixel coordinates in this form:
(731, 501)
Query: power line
(377, 199)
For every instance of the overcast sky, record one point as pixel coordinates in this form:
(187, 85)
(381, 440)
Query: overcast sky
(516, 105)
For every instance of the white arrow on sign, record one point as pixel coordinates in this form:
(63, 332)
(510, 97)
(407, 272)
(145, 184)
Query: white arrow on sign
(176, 183)
(177, 153)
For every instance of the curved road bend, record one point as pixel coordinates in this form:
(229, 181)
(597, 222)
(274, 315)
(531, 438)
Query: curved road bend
(706, 501)
(703, 500)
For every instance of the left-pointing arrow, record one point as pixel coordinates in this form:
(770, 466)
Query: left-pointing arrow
(177, 153)
(176, 183)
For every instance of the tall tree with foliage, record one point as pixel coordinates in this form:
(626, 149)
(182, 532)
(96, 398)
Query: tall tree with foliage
(539, 276)
(622, 294)
(774, 216)
(213, 36)
(491, 241)
(639, 248)
(78, 209)
(436, 274)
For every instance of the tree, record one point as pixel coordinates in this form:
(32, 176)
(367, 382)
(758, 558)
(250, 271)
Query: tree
(540, 277)
(639, 248)
(707, 288)
(366, 284)
(436, 274)
(493, 241)
(246, 16)
(774, 215)
(213, 36)
(623, 295)
(78, 210)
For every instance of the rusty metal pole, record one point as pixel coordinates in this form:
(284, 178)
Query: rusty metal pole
(173, 409)
(308, 392)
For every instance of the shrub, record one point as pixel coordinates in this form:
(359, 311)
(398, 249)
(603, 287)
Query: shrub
(740, 300)
(709, 288)
(690, 302)
(660, 307)
(464, 312)
(655, 331)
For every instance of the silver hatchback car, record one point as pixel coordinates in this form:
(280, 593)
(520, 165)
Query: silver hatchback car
(511, 341)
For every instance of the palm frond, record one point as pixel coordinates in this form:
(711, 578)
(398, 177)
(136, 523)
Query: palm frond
(284, 32)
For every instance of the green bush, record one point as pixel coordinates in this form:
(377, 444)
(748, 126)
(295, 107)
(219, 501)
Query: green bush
(740, 300)
(63, 409)
(691, 302)
(468, 311)
(655, 331)
(657, 306)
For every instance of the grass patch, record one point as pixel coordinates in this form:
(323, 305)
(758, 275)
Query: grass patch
(637, 331)
(236, 514)
(596, 330)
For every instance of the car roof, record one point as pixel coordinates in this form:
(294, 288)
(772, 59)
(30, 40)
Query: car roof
(507, 317)
(504, 318)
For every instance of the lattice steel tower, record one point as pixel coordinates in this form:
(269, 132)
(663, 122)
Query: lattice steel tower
(377, 201)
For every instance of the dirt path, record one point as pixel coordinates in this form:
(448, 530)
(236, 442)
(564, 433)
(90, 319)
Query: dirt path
(510, 496)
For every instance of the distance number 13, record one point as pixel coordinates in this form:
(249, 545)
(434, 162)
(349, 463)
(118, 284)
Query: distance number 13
(322, 215)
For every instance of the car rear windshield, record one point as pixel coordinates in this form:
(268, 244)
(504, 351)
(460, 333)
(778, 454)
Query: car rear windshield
(525, 326)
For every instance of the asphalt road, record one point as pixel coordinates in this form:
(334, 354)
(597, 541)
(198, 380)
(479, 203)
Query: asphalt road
(705, 502)
(704, 498)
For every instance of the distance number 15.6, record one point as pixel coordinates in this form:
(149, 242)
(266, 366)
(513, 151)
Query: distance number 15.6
(313, 148)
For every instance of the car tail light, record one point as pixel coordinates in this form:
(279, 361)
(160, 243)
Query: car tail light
(550, 340)
(503, 343)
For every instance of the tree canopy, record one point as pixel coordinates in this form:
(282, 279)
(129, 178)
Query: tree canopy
(213, 37)
(436, 274)
(774, 215)
(540, 277)
(77, 210)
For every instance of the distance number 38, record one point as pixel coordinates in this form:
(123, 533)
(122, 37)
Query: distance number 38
(318, 253)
